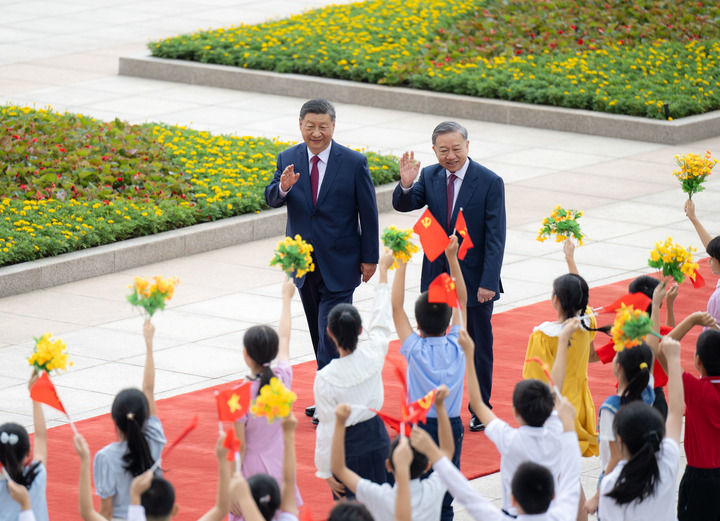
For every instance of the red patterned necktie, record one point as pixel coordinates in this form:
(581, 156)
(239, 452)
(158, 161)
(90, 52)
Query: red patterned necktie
(314, 177)
(450, 198)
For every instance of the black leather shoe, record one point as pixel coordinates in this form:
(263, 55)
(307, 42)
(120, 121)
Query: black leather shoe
(315, 420)
(476, 425)
(310, 411)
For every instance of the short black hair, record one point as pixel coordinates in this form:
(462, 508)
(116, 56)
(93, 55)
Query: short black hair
(318, 106)
(533, 401)
(351, 510)
(708, 349)
(432, 318)
(646, 285)
(533, 487)
(159, 499)
(713, 248)
(419, 462)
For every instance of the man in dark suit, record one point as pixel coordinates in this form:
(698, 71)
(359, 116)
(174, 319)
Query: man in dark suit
(459, 182)
(331, 204)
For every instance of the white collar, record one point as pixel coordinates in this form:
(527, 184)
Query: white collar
(460, 174)
(324, 155)
(550, 328)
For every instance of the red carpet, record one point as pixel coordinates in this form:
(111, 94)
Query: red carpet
(192, 467)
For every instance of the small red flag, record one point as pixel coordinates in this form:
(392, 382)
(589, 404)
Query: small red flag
(443, 289)
(433, 238)
(462, 229)
(699, 281)
(393, 423)
(400, 372)
(233, 404)
(305, 514)
(43, 391)
(187, 430)
(637, 300)
(416, 412)
(231, 443)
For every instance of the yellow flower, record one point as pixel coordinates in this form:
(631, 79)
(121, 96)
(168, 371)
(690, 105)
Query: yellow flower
(49, 354)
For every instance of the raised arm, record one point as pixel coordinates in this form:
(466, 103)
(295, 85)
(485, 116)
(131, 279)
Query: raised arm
(243, 503)
(676, 400)
(445, 435)
(288, 290)
(337, 457)
(40, 442)
(408, 194)
(400, 318)
(288, 501)
(402, 458)
(569, 250)
(560, 364)
(148, 385)
(222, 499)
(87, 510)
(698, 318)
(21, 496)
(482, 411)
(704, 235)
(459, 316)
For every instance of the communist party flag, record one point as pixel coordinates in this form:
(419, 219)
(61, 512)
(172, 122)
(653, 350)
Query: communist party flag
(43, 391)
(394, 423)
(462, 229)
(233, 403)
(637, 300)
(433, 238)
(416, 412)
(443, 289)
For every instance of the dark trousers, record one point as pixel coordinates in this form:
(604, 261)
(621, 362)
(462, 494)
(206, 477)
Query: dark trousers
(366, 449)
(480, 330)
(317, 301)
(699, 495)
(431, 426)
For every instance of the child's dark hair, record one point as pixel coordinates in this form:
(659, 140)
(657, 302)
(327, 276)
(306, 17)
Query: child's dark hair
(533, 401)
(345, 324)
(261, 344)
(159, 499)
(533, 487)
(646, 285)
(713, 248)
(14, 448)
(350, 511)
(266, 493)
(636, 363)
(432, 318)
(708, 349)
(419, 463)
(130, 412)
(641, 429)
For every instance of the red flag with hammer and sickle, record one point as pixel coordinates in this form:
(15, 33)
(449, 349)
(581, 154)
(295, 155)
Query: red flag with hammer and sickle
(433, 238)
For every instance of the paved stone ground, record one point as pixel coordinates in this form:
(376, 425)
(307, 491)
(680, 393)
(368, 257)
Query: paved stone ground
(64, 54)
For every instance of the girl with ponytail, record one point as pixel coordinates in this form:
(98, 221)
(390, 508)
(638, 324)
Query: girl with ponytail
(141, 440)
(25, 470)
(643, 483)
(263, 446)
(356, 378)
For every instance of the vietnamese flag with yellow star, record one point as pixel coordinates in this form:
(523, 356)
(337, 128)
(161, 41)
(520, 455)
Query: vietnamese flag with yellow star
(233, 404)
(462, 229)
(433, 238)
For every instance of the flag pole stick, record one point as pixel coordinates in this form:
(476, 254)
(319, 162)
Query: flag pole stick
(5, 474)
(221, 430)
(460, 315)
(155, 465)
(72, 425)
(237, 461)
(402, 429)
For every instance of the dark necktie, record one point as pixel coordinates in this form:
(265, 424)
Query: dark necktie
(450, 198)
(314, 177)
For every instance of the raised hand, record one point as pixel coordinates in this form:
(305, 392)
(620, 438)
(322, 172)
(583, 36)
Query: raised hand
(409, 169)
(288, 178)
(342, 412)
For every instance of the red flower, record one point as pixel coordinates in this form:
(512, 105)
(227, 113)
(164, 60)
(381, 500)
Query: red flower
(580, 41)
(518, 52)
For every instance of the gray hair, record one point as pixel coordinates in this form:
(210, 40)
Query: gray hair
(318, 106)
(449, 126)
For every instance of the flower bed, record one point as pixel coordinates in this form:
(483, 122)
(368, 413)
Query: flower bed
(650, 58)
(71, 182)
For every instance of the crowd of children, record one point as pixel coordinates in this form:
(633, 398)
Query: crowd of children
(637, 432)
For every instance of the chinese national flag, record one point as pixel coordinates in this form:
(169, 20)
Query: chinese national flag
(417, 411)
(399, 370)
(462, 229)
(699, 281)
(231, 443)
(43, 391)
(443, 289)
(394, 423)
(637, 300)
(433, 238)
(233, 403)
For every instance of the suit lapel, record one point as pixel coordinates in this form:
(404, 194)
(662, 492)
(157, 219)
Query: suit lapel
(331, 172)
(302, 165)
(439, 187)
(468, 186)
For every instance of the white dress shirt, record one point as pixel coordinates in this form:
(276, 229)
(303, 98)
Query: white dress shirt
(322, 166)
(460, 175)
(355, 379)
(426, 497)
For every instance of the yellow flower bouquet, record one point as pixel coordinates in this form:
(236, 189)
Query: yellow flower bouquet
(693, 171)
(630, 327)
(151, 295)
(673, 260)
(398, 241)
(563, 224)
(49, 354)
(273, 401)
(294, 256)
